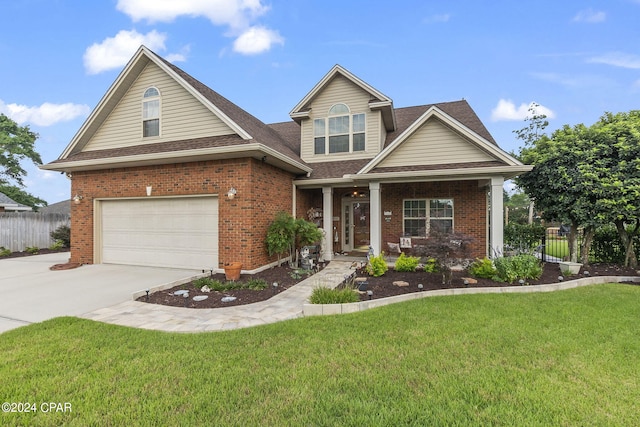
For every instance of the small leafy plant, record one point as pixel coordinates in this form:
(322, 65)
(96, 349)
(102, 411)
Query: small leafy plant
(33, 250)
(431, 266)
(4, 251)
(483, 268)
(326, 295)
(377, 265)
(406, 263)
(57, 245)
(510, 269)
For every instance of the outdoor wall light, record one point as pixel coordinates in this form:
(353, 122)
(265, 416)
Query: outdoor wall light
(77, 198)
(232, 193)
(149, 189)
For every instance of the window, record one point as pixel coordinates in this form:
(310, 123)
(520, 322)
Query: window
(151, 113)
(341, 132)
(424, 215)
(318, 136)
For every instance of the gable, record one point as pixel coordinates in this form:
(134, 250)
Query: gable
(181, 115)
(435, 144)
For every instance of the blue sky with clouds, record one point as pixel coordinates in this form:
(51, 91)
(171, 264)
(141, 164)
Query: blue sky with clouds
(577, 59)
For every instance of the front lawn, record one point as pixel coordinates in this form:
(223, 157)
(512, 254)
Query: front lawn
(561, 358)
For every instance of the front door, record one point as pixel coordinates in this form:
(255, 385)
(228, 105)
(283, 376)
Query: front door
(356, 225)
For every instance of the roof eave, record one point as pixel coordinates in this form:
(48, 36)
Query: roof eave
(255, 150)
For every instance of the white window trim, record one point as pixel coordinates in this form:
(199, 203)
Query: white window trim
(427, 217)
(159, 117)
(351, 133)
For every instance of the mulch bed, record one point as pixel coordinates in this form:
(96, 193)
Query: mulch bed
(42, 251)
(382, 287)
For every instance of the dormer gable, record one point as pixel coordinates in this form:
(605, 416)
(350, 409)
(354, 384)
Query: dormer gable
(377, 100)
(343, 118)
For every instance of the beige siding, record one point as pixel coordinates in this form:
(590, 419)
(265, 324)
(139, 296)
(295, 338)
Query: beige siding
(434, 144)
(181, 115)
(342, 90)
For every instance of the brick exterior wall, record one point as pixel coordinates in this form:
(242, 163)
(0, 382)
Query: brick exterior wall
(469, 201)
(263, 190)
(469, 209)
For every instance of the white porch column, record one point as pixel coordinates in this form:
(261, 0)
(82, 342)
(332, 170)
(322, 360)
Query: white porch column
(375, 224)
(496, 230)
(327, 222)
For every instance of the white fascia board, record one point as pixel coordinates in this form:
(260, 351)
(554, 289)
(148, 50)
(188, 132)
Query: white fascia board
(174, 155)
(445, 174)
(212, 107)
(456, 125)
(103, 101)
(324, 182)
(143, 51)
(335, 70)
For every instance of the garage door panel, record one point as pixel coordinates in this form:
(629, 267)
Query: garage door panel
(180, 232)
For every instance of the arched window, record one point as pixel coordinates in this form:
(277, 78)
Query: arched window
(340, 132)
(151, 113)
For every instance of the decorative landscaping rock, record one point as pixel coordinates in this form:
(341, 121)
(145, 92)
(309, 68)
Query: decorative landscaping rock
(200, 297)
(470, 281)
(205, 288)
(360, 279)
(181, 292)
(228, 299)
(400, 283)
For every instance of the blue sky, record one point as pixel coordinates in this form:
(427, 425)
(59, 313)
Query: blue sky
(576, 59)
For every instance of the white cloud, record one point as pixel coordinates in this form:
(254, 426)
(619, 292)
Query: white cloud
(235, 13)
(114, 52)
(256, 40)
(46, 114)
(590, 16)
(238, 15)
(507, 110)
(617, 59)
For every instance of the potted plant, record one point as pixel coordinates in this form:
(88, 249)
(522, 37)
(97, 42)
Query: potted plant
(232, 271)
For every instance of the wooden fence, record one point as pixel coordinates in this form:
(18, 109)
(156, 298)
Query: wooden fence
(19, 230)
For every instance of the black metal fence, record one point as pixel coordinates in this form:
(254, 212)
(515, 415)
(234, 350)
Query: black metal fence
(554, 246)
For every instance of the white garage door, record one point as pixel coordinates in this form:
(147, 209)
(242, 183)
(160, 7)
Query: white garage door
(172, 232)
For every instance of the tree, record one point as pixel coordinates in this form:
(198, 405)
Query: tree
(617, 167)
(558, 182)
(589, 176)
(17, 143)
(534, 130)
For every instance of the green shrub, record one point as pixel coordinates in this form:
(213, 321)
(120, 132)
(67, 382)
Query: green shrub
(377, 265)
(217, 285)
(325, 295)
(32, 250)
(62, 233)
(406, 263)
(57, 245)
(4, 251)
(483, 268)
(431, 266)
(510, 269)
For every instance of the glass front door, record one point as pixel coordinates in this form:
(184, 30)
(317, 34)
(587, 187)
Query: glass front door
(356, 231)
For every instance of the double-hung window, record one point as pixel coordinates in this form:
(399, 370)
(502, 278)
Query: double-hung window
(340, 132)
(151, 113)
(421, 216)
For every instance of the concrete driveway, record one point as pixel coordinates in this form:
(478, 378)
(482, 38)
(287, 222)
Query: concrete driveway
(30, 292)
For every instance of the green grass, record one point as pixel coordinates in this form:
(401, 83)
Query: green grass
(561, 358)
(558, 248)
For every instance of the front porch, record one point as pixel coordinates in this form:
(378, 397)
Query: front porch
(377, 214)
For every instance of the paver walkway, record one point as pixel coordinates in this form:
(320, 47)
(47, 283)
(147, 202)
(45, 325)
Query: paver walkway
(286, 305)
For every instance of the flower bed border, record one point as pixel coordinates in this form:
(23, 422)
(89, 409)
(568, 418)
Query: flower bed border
(330, 309)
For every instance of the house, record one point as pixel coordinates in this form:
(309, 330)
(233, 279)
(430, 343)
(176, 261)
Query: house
(167, 172)
(7, 204)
